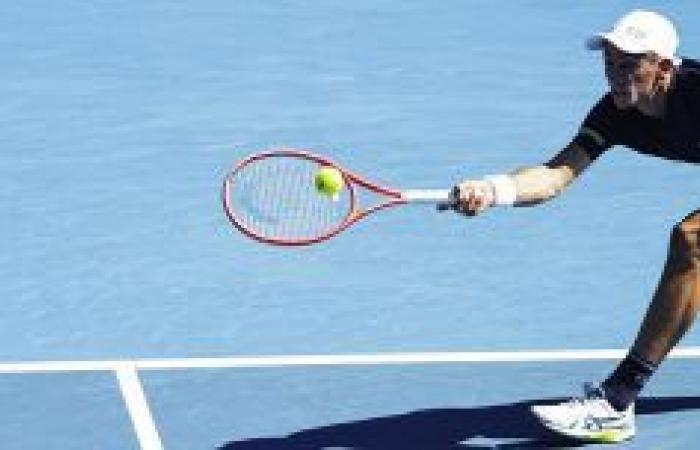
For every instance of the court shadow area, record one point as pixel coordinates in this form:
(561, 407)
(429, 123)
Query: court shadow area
(508, 426)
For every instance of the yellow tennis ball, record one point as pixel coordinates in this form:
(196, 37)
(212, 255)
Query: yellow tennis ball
(329, 181)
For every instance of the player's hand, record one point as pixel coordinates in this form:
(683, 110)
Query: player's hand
(471, 197)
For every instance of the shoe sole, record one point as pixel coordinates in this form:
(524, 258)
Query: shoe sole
(598, 437)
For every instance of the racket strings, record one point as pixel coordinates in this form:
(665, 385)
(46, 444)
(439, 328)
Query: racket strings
(276, 198)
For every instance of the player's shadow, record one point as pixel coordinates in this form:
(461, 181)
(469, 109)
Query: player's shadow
(499, 426)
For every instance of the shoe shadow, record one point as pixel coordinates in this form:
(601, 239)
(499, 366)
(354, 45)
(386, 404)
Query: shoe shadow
(487, 427)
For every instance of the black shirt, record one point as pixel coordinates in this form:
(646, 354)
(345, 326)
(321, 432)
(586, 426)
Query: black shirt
(676, 136)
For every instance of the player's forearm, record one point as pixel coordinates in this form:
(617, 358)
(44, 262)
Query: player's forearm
(523, 187)
(537, 184)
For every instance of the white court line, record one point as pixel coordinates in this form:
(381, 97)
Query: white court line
(145, 427)
(136, 404)
(332, 360)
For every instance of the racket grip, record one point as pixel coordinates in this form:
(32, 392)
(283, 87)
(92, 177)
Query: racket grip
(446, 206)
(439, 196)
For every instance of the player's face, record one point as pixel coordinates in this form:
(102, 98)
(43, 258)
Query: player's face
(630, 76)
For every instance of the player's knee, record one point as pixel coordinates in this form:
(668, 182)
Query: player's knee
(685, 241)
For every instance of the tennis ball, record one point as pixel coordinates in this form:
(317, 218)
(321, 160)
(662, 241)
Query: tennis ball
(329, 181)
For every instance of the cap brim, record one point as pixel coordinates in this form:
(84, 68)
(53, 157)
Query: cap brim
(597, 41)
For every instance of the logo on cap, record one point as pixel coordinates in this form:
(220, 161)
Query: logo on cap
(636, 32)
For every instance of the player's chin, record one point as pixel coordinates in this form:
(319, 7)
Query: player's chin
(623, 100)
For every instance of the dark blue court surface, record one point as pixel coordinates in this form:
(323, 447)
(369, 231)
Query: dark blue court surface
(63, 411)
(436, 407)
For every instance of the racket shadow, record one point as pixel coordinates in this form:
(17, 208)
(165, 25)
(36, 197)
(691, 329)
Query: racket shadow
(497, 426)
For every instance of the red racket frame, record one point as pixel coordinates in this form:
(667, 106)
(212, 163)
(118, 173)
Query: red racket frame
(355, 212)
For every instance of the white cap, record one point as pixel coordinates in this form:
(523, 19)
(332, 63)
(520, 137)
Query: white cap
(640, 32)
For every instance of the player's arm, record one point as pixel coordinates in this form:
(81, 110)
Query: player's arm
(541, 183)
(525, 186)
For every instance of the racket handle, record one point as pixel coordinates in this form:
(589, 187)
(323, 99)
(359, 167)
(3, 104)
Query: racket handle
(426, 195)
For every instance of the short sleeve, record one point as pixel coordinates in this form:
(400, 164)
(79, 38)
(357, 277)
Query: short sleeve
(598, 130)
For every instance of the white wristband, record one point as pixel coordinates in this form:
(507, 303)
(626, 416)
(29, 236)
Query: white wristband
(504, 189)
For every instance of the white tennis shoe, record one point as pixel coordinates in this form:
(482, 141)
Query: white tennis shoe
(589, 418)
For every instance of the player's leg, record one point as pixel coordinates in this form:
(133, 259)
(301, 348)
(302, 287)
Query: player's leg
(675, 303)
(671, 312)
(607, 414)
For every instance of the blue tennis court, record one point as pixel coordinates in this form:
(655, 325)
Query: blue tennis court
(135, 317)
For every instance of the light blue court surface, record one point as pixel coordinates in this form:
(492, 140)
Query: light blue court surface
(118, 121)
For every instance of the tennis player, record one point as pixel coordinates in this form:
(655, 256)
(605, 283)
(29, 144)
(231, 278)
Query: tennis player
(652, 107)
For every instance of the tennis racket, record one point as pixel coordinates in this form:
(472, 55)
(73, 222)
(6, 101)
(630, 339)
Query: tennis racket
(271, 197)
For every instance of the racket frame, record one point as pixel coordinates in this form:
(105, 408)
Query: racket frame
(351, 180)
